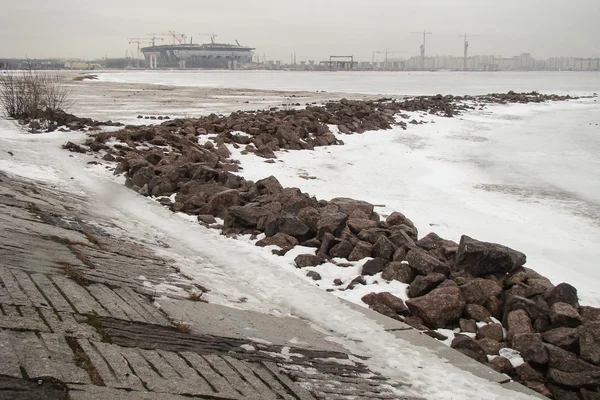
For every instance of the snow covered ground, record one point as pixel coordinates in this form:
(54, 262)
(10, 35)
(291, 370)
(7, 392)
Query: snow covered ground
(521, 175)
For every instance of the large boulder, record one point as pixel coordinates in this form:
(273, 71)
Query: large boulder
(477, 313)
(358, 225)
(491, 331)
(478, 290)
(223, 200)
(422, 285)
(531, 347)
(393, 302)
(293, 226)
(398, 271)
(563, 293)
(280, 239)
(482, 258)
(589, 342)
(374, 266)
(518, 322)
(566, 338)
(348, 206)
(331, 222)
(469, 347)
(438, 308)
(397, 218)
(425, 264)
(566, 369)
(341, 249)
(563, 314)
(360, 251)
(384, 248)
(307, 260)
(249, 215)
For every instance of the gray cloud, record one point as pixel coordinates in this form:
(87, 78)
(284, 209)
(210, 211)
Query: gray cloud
(313, 29)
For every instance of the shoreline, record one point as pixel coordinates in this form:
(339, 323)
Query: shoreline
(338, 226)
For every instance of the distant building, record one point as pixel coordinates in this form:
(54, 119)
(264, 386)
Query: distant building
(82, 65)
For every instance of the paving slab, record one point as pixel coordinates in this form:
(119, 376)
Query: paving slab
(217, 320)
(46, 356)
(57, 300)
(89, 392)
(9, 365)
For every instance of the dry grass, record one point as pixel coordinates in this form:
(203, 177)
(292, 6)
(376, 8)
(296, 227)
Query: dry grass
(182, 327)
(75, 274)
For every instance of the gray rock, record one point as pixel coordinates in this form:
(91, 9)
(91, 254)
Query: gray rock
(589, 342)
(280, 239)
(331, 222)
(425, 264)
(293, 226)
(374, 266)
(360, 251)
(477, 312)
(223, 200)
(589, 314)
(422, 285)
(397, 218)
(518, 322)
(531, 347)
(490, 346)
(393, 302)
(501, 364)
(439, 307)
(527, 373)
(566, 338)
(491, 331)
(358, 225)
(467, 325)
(383, 248)
(478, 290)
(398, 271)
(469, 347)
(347, 206)
(341, 250)
(307, 260)
(563, 293)
(314, 275)
(482, 258)
(563, 314)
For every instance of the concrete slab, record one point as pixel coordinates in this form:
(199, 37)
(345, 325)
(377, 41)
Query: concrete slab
(517, 387)
(212, 319)
(388, 324)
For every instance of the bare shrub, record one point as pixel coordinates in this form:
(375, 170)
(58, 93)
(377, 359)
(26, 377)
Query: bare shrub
(27, 95)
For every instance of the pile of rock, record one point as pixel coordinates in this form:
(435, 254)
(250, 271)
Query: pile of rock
(264, 132)
(483, 289)
(50, 121)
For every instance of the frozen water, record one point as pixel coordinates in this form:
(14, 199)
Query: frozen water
(368, 82)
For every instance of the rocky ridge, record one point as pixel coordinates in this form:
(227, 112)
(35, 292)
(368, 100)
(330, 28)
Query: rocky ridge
(482, 289)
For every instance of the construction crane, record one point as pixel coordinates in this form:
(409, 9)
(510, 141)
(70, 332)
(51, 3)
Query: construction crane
(138, 41)
(466, 49)
(424, 33)
(386, 52)
(212, 36)
(179, 37)
(155, 36)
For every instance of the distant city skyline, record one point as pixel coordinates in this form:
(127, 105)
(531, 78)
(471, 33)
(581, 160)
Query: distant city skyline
(312, 29)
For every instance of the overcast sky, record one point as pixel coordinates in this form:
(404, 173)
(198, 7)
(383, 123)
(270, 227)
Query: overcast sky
(313, 29)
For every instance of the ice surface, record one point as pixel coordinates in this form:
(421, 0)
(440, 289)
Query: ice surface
(367, 82)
